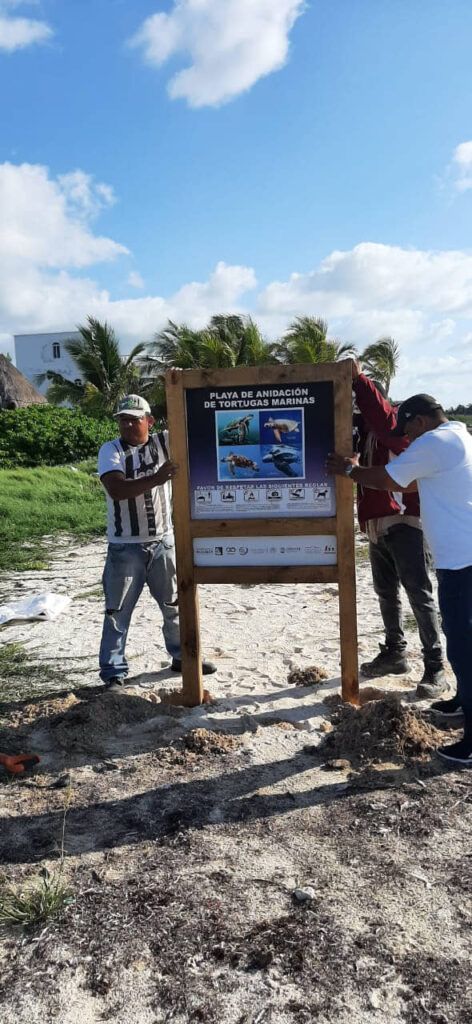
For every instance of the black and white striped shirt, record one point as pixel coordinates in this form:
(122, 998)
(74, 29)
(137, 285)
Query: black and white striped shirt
(149, 516)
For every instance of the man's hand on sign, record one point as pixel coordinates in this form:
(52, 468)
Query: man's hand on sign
(340, 465)
(166, 472)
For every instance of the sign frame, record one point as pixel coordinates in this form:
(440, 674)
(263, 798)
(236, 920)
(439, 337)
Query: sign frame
(341, 525)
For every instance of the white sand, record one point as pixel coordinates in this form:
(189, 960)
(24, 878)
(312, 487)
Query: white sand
(268, 819)
(255, 634)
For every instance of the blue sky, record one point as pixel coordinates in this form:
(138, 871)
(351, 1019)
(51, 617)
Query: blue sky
(184, 158)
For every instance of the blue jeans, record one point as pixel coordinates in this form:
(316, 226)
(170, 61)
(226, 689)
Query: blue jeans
(127, 568)
(455, 603)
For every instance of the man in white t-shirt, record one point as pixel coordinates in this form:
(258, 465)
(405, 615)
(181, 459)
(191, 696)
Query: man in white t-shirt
(439, 462)
(135, 471)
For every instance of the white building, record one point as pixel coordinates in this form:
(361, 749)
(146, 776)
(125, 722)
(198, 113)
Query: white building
(37, 353)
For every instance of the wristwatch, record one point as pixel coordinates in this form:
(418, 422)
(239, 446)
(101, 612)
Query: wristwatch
(348, 469)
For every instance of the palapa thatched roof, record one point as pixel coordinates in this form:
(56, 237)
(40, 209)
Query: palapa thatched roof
(15, 390)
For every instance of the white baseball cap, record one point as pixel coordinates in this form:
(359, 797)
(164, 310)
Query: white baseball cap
(133, 405)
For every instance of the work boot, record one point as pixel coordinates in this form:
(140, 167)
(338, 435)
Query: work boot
(449, 710)
(458, 753)
(208, 668)
(432, 684)
(117, 684)
(387, 663)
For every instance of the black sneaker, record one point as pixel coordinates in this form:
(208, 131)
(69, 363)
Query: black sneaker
(387, 663)
(458, 753)
(448, 709)
(208, 668)
(432, 684)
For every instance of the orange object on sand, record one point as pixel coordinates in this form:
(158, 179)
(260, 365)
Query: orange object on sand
(16, 764)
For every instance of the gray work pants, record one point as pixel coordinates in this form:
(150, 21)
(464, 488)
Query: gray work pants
(399, 558)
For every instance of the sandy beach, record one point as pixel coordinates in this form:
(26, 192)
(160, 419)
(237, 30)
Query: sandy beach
(189, 833)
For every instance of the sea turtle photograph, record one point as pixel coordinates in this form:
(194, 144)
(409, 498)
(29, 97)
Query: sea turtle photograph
(286, 460)
(239, 465)
(284, 427)
(242, 428)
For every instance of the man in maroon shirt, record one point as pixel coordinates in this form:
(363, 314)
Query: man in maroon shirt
(396, 547)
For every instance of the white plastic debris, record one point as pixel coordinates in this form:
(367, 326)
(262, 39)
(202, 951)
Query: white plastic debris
(39, 606)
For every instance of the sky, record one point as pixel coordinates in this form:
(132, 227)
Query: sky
(179, 158)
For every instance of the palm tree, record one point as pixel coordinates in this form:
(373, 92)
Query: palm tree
(106, 374)
(380, 360)
(306, 341)
(244, 339)
(228, 340)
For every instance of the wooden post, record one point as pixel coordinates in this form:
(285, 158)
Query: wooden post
(187, 589)
(345, 539)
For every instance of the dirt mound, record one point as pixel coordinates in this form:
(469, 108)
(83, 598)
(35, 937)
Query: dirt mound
(177, 698)
(204, 741)
(87, 724)
(366, 694)
(380, 730)
(307, 676)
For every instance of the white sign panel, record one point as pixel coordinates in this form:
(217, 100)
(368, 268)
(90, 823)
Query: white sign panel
(237, 551)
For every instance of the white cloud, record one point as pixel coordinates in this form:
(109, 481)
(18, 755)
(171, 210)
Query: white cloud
(194, 303)
(16, 33)
(84, 197)
(377, 276)
(462, 166)
(135, 280)
(423, 299)
(231, 44)
(43, 222)
(46, 239)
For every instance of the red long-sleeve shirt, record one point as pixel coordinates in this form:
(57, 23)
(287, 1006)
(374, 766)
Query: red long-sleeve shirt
(379, 418)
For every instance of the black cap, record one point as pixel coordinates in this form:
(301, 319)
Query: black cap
(417, 405)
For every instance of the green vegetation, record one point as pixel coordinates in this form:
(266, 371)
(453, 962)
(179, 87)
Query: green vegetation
(463, 413)
(21, 677)
(45, 898)
(462, 419)
(13, 659)
(228, 340)
(380, 361)
(362, 552)
(89, 595)
(105, 375)
(45, 435)
(35, 503)
(306, 341)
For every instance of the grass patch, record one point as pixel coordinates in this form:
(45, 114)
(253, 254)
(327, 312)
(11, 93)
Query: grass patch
(20, 677)
(45, 898)
(35, 503)
(409, 622)
(362, 552)
(13, 658)
(88, 595)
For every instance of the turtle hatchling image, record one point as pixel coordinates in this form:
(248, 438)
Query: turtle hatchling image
(282, 427)
(240, 462)
(283, 458)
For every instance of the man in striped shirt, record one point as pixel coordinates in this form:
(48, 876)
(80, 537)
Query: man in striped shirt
(135, 471)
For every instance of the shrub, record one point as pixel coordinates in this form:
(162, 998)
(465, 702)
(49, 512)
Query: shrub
(50, 435)
(45, 898)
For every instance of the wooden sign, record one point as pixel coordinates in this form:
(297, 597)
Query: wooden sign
(252, 500)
